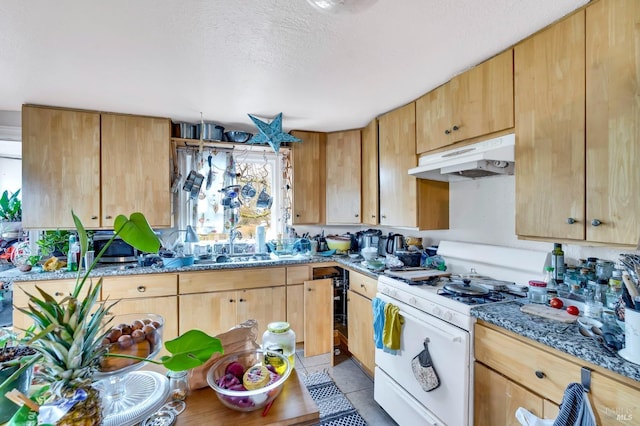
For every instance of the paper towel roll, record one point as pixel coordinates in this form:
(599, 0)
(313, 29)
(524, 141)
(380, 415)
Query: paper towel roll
(261, 241)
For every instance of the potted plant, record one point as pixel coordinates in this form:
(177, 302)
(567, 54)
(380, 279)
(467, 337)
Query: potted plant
(10, 212)
(13, 353)
(68, 336)
(54, 243)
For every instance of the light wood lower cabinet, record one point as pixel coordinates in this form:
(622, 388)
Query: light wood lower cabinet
(318, 315)
(512, 371)
(360, 320)
(296, 276)
(217, 312)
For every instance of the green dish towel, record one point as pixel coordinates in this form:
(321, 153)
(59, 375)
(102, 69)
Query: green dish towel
(392, 328)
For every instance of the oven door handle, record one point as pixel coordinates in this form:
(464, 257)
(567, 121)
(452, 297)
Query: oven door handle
(450, 337)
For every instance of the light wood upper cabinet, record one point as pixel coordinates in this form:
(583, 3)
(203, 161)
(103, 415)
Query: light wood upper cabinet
(60, 167)
(343, 177)
(613, 121)
(370, 200)
(550, 122)
(98, 165)
(309, 178)
(475, 103)
(135, 168)
(405, 200)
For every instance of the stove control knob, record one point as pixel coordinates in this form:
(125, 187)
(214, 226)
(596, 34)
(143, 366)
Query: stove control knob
(437, 311)
(448, 316)
(413, 301)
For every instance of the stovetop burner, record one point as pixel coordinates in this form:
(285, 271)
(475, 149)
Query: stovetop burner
(490, 297)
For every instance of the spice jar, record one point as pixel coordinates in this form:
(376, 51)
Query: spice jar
(537, 292)
(280, 338)
(178, 385)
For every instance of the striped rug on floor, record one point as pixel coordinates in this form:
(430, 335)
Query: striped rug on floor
(335, 408)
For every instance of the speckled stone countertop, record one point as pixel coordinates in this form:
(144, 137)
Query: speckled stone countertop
(554, 334)
(13, 275)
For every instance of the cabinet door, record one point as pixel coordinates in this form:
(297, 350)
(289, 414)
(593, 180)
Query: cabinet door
(308, 178)
(213, 313)
(497, 398)
(135, 168)
(167, 307)
(398, 190)
(360, 321)
(265, 305)
(318, 317)
(550, 122)
(60, 167)
(343, 177)
(434, 118)
(295, 310)
(614, 403)
(370, 200)
(613, 121)
(482, 98)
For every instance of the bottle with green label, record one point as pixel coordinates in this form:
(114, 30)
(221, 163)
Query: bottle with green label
(557, 261)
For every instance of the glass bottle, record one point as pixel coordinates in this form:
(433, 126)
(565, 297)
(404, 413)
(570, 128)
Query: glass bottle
(73, 254)
(178, 385)
(557, 261)
(280, 338)
(615, 289)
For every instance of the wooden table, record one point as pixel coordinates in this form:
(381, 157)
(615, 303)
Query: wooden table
(293, 406)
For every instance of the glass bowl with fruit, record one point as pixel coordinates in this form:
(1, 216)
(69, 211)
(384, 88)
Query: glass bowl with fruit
(129, 395)
(249, 380)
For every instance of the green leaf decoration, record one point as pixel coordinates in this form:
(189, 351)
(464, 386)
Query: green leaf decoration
(190, 350)
(137, 232)
(82, 235)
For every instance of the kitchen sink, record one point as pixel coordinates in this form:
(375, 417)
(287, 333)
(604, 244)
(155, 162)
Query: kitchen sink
(235, 258)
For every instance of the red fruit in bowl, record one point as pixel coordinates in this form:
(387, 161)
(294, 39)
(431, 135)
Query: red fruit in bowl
(236, 369)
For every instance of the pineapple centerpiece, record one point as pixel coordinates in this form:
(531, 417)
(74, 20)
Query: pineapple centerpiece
(68, 334)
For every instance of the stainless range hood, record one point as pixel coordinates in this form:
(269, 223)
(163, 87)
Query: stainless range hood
(487, 158)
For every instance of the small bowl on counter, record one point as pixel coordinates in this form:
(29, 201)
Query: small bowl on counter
(178, 262)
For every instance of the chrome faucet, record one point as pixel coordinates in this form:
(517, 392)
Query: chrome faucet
(233, 233)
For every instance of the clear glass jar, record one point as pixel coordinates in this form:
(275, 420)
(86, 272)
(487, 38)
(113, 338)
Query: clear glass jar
(537, 292)
(604, 269)
(178, 385)
(280, 338)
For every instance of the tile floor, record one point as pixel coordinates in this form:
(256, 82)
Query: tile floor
(351, 380)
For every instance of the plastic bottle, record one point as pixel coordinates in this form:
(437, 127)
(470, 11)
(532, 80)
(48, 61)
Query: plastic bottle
(280, 338)
(548, 277)
(261, 239)
(73, 253)
(557, 261)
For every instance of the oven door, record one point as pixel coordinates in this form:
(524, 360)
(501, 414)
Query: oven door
(449, 348)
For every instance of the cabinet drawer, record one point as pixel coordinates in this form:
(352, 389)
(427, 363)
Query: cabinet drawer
(362, 284)
(58, 289)
(152, 285)
(236, 279)
(520, 362)
(298, 274)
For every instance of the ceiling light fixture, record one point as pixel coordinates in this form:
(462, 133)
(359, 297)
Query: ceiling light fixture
(341, 6)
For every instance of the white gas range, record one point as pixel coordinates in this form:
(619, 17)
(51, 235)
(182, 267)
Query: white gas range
(440, 312)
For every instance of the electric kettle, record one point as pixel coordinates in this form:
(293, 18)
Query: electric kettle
(395, 242)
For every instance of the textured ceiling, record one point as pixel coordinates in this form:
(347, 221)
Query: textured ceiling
(227, 58)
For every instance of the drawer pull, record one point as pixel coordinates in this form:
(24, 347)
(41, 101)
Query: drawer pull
(540, 374)
(58, 294)
(361, 285)
(142, 288)
(243, 300)
(231, 300)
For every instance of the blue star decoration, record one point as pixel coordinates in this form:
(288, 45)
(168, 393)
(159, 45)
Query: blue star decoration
(271, 133)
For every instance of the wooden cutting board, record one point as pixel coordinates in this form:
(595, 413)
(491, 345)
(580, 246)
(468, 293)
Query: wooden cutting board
(548, 312)
(417, 275)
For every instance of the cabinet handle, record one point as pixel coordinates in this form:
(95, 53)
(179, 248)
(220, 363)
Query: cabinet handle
(571, 220)
(455, 128)
(373, 216)
(384, 216)
(447, 132)
(297, 215)
(107, 217)
(357, 215)
(142, 288)
(540, 374)
(231, 300)
(309, 289)
(242, 300)
(361, 285)
(94, 217)
(596, 222)
(57, 293)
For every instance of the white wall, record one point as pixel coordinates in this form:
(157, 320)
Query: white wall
(483, 211)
